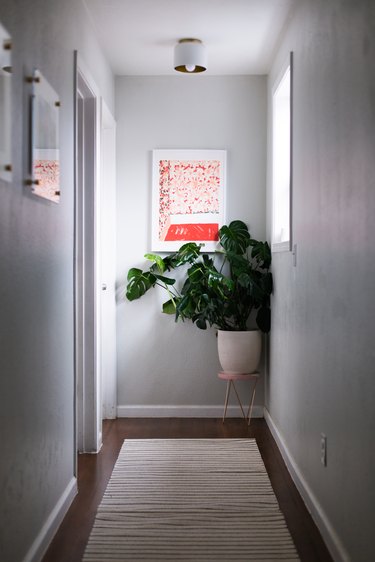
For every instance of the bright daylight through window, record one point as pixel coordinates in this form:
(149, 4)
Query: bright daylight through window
(281, 161)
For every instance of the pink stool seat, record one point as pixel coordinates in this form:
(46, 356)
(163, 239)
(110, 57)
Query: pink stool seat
(237, 376)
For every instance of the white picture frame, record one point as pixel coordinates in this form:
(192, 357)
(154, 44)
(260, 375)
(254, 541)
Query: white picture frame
(188, 198)
(44, 149)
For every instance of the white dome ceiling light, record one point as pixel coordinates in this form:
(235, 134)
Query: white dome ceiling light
(190, 56)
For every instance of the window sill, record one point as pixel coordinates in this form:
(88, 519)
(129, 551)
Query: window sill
(281, 247)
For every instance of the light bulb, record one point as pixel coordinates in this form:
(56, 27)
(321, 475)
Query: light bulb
(190, 67)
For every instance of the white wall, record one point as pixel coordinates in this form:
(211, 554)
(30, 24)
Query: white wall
(160, 362)
(322, 356)
(36, 294)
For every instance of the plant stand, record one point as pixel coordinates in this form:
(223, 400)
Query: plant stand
(230, 378)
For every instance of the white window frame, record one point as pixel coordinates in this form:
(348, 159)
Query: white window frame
(285, 245)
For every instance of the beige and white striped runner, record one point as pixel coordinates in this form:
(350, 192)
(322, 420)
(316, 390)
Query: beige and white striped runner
(189, 499)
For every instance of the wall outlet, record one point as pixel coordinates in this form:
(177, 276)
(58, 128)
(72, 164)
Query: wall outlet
(323, 449)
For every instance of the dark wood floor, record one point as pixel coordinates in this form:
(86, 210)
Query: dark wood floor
(94, 472)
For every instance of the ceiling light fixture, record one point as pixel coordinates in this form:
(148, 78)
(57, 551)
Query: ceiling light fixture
(190, 56)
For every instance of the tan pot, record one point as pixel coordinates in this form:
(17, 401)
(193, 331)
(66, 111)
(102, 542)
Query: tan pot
(239, 352)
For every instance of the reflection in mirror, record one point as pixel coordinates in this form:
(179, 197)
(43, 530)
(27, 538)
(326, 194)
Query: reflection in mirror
(5, 104)
(45, 140)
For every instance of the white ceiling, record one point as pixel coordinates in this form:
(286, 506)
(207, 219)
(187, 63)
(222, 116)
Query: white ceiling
(138, 36)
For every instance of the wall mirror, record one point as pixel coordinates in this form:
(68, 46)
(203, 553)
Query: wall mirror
(45, 158)
(5, 104)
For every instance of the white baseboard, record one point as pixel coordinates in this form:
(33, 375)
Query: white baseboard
(144, 411)
(48, 531)
(327, 531)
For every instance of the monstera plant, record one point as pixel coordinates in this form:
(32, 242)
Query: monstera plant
(221, 289)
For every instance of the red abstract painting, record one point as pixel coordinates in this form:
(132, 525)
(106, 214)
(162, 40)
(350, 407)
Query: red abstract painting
(190, 196)
(47, 173)
(193, 232)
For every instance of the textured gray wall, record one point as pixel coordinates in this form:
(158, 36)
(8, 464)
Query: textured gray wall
(36, 287)
(160, 362)
(322, 353)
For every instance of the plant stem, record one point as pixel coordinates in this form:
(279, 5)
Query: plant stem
(171, 295)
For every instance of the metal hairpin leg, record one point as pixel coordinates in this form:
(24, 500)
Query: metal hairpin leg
(239, 401)
(251, 401)
(226, 399)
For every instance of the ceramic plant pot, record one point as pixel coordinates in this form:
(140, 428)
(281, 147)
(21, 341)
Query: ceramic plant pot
(239, 352)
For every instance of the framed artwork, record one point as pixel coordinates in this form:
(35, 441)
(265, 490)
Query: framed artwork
(44, 153)
(188, 198)
(46, 170)
(5, 104)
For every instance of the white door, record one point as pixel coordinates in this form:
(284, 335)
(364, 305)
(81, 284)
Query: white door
(108, 265)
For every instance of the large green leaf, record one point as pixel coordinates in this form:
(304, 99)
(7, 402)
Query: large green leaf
(207, 260)
(267, 283)
(188, 253)
(186, 286)
(185, 307)
(169, 307)
(158, 261)
(251, 283)
(244, 279)
(235, 237)
(139, 283)
(220, 283)
(201, 323)
(133, 272)
(263, 319)
(196, 272)
(238, 263)
(166, 280)
(261, 252)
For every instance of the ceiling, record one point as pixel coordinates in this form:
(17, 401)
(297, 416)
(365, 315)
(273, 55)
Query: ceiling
(138, 36)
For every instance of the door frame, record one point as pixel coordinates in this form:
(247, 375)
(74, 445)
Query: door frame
(88, 394)
(107, 174)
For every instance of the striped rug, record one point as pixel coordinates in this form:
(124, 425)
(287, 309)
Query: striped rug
(189, 499)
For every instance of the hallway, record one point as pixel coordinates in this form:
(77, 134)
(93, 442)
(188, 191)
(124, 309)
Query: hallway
(319, 359)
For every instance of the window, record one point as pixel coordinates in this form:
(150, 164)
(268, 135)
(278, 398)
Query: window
(281, 160)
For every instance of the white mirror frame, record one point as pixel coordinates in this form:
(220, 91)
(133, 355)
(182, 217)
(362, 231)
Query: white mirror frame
(5, 105)
(44, 139)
